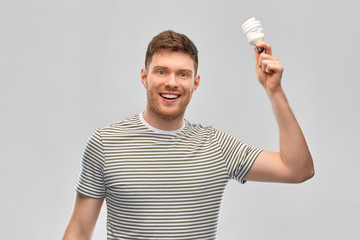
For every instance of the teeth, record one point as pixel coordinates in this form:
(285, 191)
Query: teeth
(169, 96)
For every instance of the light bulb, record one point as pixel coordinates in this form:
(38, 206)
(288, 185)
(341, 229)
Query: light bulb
(254, 32)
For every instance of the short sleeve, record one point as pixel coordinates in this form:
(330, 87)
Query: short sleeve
(91, 179)
(238, 156)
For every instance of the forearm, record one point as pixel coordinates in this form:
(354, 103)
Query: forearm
(294, 151)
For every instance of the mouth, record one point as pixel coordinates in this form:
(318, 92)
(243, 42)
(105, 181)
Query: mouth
(169, 96)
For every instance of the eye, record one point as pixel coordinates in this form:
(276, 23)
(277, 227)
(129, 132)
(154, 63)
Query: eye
(161, 72)
(184, 75)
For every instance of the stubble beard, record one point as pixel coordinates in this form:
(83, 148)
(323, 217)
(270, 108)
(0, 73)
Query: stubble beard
(156, 108)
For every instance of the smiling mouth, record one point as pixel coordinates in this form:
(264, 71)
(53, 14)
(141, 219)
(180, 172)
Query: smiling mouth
(169, 96)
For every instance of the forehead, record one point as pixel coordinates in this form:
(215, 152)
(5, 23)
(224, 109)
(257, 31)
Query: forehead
(172, 59)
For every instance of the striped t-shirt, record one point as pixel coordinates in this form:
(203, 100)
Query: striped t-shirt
(161, 185)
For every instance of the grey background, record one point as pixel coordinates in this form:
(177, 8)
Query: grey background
(70, 66)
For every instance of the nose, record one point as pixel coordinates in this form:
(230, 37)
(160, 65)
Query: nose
(171, 81)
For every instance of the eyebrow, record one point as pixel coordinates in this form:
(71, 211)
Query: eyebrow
(160, 67)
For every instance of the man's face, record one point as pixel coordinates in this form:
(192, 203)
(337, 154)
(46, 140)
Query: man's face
(169, 81)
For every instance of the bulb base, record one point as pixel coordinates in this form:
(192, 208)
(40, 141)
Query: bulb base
(260, 50)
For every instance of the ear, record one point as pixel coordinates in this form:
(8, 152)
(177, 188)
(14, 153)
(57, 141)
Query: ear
(144, 77)
(196, 82)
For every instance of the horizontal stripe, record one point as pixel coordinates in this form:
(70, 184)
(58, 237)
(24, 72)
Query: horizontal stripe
(158, 185)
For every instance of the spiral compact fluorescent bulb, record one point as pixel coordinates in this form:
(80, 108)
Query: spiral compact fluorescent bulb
(254, 32)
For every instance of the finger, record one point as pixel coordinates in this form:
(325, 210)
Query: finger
(272, 67)
(265, 56)
(260, 60)
(265, 59)
(265, 62)
(265, 46)
(257, 55)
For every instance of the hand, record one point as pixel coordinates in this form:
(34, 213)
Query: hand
(268, 69)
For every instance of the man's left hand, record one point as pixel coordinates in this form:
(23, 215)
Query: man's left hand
(268, 69)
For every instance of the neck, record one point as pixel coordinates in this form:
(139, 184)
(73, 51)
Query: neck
(162, 122)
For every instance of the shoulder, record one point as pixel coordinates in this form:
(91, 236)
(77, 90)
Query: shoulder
(198, 130)
(128, 125)
(214, 134)
(197, 127)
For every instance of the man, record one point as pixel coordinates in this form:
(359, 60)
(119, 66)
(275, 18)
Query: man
(162, 176)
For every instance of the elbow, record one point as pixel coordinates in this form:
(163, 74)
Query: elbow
(305, 175)
(308, 170)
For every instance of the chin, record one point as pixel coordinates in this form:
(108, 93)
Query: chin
(167, 112)
(171, 115)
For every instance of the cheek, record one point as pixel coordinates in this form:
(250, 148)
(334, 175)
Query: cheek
(152, 82)
(149, 83)
(191, 87)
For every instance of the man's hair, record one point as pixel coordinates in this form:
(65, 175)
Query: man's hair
(173, 41)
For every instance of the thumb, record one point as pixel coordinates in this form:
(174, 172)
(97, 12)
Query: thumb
(257, 55)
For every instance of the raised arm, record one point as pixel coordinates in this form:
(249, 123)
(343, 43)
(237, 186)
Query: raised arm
(293, 164)
(83, 219)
